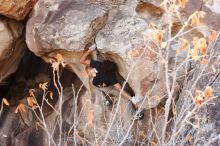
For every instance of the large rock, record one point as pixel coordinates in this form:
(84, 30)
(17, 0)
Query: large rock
(12, 47)
(67, 28)
(16, 9)
(122, 34)
(64, 27)
(67, 25)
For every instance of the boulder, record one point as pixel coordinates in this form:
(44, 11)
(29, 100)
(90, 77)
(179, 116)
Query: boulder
(16, 9)
(66, 25)
(122, 35)
(59, 28)
(12, 48)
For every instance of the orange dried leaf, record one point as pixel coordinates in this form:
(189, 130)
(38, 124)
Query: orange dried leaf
(5, 101)
(202, 51)
(196, 17)
(198, 98)
(208, 92)
(199, 102)
(31, 101)
(163, 45)
(20, 108)
(194, 54)
(134, 53)
(31, 93)
(142, 134)
(189, 138)
(157, 35)
(43, 86)
(51, 94)
(153, 143)
(201, 14)
(59, 58)
(204, 61)
(184, 44)
(182, 3)
(195, 40)
(202, 44)
(212, 36)
(173, 8)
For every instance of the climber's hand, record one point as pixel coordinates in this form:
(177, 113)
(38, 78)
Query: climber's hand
(135, 99)
(92, 47)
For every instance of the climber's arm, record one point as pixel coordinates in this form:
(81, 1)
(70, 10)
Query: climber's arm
(84, 58)
(118, 87)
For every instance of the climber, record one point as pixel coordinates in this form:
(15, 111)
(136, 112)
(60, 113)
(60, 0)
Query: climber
(106, 77)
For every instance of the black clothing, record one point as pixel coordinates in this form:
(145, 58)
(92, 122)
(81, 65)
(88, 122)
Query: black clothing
(102, 79)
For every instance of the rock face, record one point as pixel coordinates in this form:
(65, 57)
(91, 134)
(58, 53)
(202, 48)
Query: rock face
(12, 48)
(16, 9)
(67, 26)
(55, 27)
(122, 35)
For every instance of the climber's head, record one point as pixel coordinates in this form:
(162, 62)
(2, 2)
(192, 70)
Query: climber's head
(109, 66)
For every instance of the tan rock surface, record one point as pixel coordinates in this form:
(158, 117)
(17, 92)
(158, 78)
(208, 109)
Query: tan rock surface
(16, 9)
(12, 47)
